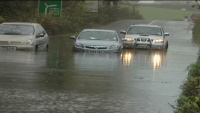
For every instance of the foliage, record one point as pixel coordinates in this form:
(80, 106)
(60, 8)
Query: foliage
(188, 104)
(196, 34)
(71, 21)
(189, 101)
(18, 10)
(1, 19)
(74, 16)
(197, 4)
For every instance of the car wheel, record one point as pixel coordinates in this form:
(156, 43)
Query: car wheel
(35, 48)
(166, 46)
(47, 47)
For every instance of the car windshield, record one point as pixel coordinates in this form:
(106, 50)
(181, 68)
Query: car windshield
(144, 30)
(98, 35)
(12, 29)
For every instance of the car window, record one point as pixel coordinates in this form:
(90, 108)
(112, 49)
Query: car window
(42, 29)
(144, 30)
(98, 35)
(12, 29)
(39, 30)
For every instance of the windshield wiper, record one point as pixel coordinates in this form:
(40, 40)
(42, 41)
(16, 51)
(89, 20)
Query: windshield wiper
(144, 35)
(135, 33)
(155, 34)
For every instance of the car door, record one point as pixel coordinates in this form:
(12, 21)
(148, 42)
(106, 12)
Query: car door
(41, 36)
(45, 38)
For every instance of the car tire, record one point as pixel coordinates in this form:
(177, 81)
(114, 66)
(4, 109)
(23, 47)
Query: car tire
(47, 47)
(166, 46)
(35, 48)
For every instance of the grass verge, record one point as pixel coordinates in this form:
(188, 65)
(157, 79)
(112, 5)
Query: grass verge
(196, 34)
(156, 13)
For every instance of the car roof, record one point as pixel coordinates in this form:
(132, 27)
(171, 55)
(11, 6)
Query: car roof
(146, 25)
(21, 23)
(99, 30)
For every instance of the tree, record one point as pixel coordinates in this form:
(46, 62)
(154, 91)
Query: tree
(18, 10)
(195, 3)
(108, 2)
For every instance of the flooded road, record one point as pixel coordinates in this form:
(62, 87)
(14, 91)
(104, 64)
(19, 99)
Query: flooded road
(62, 81)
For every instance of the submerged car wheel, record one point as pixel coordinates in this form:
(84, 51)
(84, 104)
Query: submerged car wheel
(35, 48)
(166, 46)
(47, 47)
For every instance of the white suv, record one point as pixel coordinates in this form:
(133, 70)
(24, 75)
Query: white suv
(145, 36)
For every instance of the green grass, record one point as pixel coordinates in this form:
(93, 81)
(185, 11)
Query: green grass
(155, 13)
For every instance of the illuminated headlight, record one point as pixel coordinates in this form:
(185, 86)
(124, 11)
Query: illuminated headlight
(79, 45)
(129, 39)
(29, 42)
(114, 47)
(159, 41)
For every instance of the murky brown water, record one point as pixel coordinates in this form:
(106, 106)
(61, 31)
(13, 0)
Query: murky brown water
(62, 81)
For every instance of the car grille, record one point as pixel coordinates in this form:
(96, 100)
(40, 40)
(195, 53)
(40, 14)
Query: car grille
(15, 42)
(4, 42)
(9, 43)
(96, 47)
(144, 40)
(94, 51)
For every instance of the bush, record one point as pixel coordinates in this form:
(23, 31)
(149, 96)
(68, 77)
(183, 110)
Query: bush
(188, 104)
(1, 19)
(76, 19)
(74, 16)
(189, 101)
(57, 26)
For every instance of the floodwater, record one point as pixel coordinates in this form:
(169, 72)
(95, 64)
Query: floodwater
(63, 81)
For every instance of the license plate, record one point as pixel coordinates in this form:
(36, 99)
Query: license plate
(93, 51)
(7, 48)
(143, 46)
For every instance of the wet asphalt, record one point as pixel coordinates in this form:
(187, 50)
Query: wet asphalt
(62, 81)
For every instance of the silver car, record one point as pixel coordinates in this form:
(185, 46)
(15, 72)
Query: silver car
(16, 35)
(97, 40)
(145, 36)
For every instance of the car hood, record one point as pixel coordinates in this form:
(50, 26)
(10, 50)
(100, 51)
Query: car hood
(143, 36)
(97, 42)
(19, 38)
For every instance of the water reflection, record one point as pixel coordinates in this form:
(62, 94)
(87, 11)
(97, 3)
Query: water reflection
(156, 60)
(153, 57)
(127, 57)
(94, 62)
(24, 57)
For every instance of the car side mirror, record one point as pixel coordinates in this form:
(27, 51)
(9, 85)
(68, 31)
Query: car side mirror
(123, 32)
(40, 35)
(166, 34)
(73, 37)
(123, 39)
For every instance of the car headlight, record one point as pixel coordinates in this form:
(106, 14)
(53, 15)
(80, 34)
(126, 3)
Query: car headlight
(159, 41)
(113, 47)
(129, 39)
(79, 45)
(29, 42)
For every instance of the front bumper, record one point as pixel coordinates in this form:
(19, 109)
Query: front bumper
(17, 47)
(97, 50)
(144, 45)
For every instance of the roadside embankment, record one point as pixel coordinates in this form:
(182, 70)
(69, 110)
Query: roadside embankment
(189, 100)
